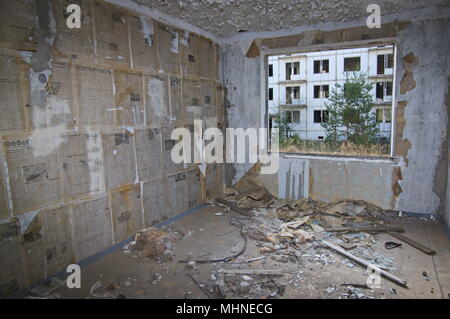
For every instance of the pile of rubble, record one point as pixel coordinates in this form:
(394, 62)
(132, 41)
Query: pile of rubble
(290, 231)
(287, 230)
(277, 223)
(154, 243)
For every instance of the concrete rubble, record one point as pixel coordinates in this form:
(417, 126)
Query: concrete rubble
(290, 230)
(286, 231)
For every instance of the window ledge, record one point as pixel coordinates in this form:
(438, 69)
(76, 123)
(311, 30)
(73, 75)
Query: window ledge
(338, 157)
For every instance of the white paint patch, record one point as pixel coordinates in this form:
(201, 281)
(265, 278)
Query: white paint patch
(175, 36)
(95, 161)
(147, 30)
(46, 140)
(156, 92)
(26, 56)
(50, 116)
(202, 167)
(185, 39)
(7, 183)
(52, 25)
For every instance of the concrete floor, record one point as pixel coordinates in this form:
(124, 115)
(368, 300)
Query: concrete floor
(213, 237)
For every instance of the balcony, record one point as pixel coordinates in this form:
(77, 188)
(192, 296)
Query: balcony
(385, 100)
(295, 78)
(291, 102)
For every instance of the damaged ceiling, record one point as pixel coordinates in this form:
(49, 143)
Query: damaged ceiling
(225, 18)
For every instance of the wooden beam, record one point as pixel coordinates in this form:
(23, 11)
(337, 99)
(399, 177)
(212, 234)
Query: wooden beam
(413, 243)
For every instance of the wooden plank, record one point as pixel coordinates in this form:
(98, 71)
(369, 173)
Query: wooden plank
(410, 242)
(413, 243)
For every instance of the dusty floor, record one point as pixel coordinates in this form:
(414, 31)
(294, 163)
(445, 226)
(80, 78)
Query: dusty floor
(316, 272)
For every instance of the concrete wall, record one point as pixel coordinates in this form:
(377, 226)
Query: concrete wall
(243, 106)
(85, 131)
(416, 180)
(337, 178)
(422, 85)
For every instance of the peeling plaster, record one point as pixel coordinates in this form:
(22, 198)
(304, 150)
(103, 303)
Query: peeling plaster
(156, 92)
(47, 110)
(425, 115)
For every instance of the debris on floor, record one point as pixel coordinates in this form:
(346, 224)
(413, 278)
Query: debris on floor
(46, 291)
(275, 241)
(154, 243)
(290, 230)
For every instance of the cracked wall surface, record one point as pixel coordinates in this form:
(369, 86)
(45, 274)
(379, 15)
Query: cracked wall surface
(85, 131)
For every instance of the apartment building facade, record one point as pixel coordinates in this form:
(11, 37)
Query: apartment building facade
(299, 85)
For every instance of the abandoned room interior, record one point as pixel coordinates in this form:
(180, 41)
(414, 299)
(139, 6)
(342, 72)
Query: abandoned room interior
(221, 149)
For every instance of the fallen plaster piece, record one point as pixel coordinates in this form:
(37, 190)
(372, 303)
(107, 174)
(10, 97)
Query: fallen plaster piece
(26, 219)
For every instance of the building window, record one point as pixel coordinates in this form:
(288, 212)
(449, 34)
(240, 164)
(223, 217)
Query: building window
(379, 116)
(383, 89)
(293, 117)
(296, 117)
(384, 61)
(292, 68)
(321, 116)
(270, 70)
(384, 115)
(352, 64)
(289, 116)
(321, 66)
(270, 94)
(388, 88)
(292, 93)
(321, 91)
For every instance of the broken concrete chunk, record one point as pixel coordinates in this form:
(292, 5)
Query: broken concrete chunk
(192, 264)
(154, 243)
(347, 246)
(317, 228)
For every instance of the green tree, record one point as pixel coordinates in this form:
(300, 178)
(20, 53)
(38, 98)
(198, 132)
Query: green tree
(281, 122)
(350, 116)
